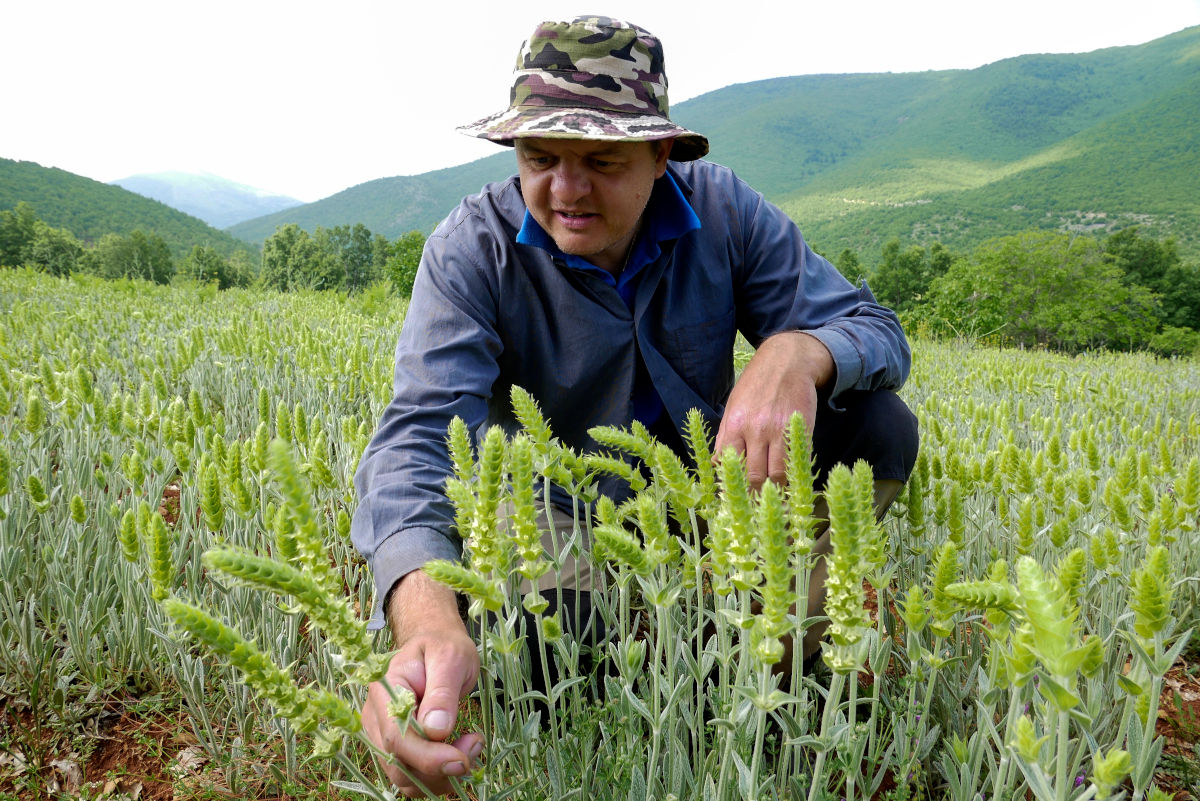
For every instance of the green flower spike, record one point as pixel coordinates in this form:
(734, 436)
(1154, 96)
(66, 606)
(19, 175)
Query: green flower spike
(1151, 594)
(37, 494)
(1187, 490)
(682, 492)
(1110, 770)
(854, 535)
(523, 527)
(259, 671)
(616, 544)
(660, 546)
(78, 510)
(774, 555)
(800, 494)
(489, 554)
(942, 605)
(460, 578)
(1026, 743)
(162, 564)
(915, 609)
(613, 466)
(402, 706)
(35, 413)
(699, 444)
(210, 499)
(636, 442)
(738, 507)
(1070, 576)
(310, 551)
(127, 535)
(330, 613)
(527, 412)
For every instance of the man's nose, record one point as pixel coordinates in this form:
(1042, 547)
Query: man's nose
(570, 182)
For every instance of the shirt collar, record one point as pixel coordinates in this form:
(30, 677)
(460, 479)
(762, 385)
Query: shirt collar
(668, 216)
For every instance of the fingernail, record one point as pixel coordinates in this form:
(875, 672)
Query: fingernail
(454, 769)
(437, 719)
(475, 751)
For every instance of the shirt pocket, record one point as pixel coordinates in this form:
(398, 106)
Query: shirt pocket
(702, 353)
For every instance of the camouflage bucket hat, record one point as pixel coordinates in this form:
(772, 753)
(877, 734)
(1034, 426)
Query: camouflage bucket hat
(591, 78)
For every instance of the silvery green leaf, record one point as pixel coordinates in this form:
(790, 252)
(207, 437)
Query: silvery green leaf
(637, 786)
(1063, 698)
(1146, 762)
(1036, 779)
(745, 781)
(638, 705)
(556, 692)
(359, 787)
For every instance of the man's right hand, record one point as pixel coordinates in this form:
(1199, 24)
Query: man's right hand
(439, 663)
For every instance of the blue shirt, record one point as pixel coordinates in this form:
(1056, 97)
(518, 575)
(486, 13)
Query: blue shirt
(668, 217)
(489, 312)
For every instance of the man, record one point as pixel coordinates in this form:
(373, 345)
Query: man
(609, 278)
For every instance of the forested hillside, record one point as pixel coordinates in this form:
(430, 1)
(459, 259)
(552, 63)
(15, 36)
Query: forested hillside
(390, 206)
(90, 209)
(1093, 141)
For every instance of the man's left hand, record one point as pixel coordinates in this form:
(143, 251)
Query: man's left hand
(782, 378)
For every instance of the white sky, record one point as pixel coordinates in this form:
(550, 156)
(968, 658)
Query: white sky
(308, 98)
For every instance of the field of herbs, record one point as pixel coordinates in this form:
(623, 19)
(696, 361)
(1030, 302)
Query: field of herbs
(182, 613)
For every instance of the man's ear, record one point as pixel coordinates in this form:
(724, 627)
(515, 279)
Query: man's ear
(662, 151)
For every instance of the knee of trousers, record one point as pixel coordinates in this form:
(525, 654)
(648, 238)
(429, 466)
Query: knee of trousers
(877, 427)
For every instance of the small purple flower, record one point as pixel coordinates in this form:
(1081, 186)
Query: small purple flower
(1079, 780)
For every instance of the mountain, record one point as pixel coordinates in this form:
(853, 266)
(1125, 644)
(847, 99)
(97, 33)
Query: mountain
(218, 201)
(1091, 141)
(389, 206)
(90, 209)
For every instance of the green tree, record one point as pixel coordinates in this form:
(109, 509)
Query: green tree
(903, 278)
(353, 247)
(1181, 296)
(55, 250)
(206, 264)
(1043, 289)
(139, 255)
(1157, 265)
(405, 257)
(278, 263)
(848, 265)
(1143, 261)
(294, 260)
(17, 230)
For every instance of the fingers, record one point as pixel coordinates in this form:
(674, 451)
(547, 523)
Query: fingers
(439, 671)
(762, 448)
(415, 762)
(449, 672)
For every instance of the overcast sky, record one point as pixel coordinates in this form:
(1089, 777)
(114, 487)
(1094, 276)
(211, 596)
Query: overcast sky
(308, 98)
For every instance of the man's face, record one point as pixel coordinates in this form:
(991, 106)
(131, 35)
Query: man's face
(589, 195)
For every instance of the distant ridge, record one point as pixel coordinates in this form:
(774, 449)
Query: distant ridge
(89, 209)
(1091, 141)
(389, 206)
(218, 201)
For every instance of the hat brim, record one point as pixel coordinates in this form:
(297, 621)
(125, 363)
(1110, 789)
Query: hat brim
(586, 123)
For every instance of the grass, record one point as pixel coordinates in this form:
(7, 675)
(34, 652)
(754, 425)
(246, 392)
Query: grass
(142, 388)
